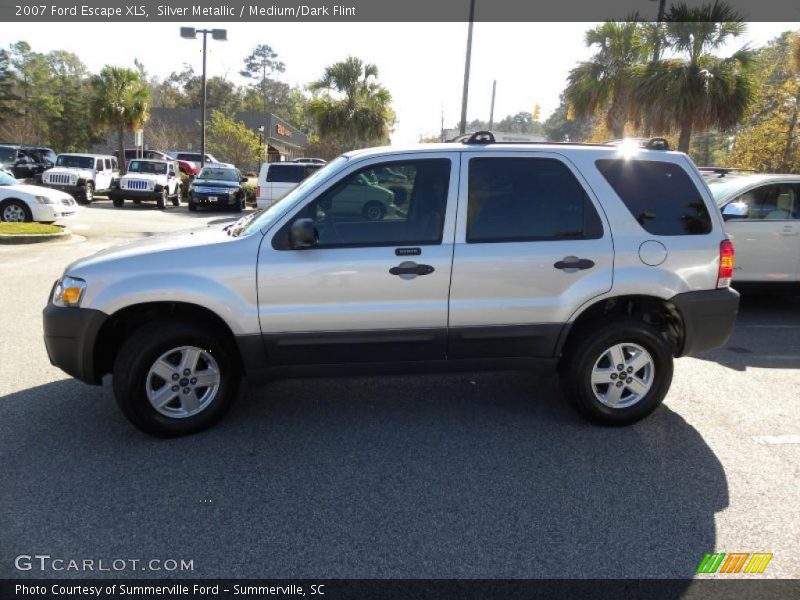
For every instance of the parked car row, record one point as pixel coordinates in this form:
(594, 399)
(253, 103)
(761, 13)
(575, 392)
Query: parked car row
(24, 162)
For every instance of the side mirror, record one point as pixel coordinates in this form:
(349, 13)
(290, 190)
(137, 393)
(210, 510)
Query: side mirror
(735, 210)
(303, 234)
(243, 180)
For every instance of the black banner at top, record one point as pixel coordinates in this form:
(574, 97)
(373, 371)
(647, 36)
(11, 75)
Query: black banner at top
(364, 10)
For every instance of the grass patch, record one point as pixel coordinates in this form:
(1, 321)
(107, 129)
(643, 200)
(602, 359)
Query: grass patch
(27, 228)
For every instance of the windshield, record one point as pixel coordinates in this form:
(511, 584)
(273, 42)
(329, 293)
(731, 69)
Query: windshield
(6, 179)
(79, 162)
(276, 210)
(7, 154)
(140, 166)
(723, 188)
(219, 174)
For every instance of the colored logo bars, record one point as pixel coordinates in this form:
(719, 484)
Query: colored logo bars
(734, 562)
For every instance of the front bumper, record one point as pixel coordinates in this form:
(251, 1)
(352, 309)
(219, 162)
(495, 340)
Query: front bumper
(70, 335)
(74, 190)
(135, 194)
(201, 199)
(708, 318)
(54, 212)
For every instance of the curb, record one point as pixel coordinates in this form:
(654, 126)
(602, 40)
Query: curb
(35, 238)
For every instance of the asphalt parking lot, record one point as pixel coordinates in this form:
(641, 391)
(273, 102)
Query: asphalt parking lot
(477, 475)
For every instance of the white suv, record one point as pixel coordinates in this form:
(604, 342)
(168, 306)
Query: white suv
(82, 175)
(600, 261)
(146, 179)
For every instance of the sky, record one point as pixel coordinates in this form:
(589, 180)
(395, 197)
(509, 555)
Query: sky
(422, 64)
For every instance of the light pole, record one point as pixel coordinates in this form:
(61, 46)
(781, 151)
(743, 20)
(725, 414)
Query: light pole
(221, 35)
(465, 96)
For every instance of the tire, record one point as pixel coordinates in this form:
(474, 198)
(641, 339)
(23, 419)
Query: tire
(166, 343)
(176, 199)
(118, 201)
(161, 202)
(239, 206)
(373, 211)
(590, 357)
(15, 211)
(192, 206)
(88, 193)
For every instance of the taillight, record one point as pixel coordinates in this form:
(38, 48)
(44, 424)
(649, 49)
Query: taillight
(726, 260)
(258, 191)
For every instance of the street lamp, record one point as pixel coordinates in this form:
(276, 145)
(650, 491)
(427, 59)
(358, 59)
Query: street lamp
(221, 35)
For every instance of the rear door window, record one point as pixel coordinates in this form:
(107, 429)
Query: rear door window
(660, 195)
(526, 200)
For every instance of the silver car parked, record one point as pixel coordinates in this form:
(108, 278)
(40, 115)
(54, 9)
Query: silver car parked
(597, 260)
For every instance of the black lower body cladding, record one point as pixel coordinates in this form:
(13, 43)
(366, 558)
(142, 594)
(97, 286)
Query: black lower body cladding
(69, 336)
(708, 318)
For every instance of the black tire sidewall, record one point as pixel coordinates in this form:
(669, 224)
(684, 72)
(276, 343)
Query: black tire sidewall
(371, 204)
(576, 377)
(139, 353)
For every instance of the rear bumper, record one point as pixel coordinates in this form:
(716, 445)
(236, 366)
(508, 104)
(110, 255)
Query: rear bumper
(69, 336)
(708, 318)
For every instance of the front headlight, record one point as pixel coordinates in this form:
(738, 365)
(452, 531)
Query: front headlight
(45, 200)
(68, 291)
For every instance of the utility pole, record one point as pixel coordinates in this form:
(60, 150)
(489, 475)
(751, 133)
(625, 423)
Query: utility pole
(491, 111)
(463, 127)
(441, 130)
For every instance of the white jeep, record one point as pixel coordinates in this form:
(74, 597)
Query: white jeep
(82, 175)
(148, 179)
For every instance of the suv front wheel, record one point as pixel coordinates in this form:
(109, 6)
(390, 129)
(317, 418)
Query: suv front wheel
(174, 378)
(619, 373)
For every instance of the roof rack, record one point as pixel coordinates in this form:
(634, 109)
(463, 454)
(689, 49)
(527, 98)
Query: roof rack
(487, 137)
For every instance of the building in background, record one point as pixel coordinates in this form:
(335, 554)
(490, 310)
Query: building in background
(179, 129)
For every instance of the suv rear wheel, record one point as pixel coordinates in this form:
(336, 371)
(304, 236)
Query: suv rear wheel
(619, 373)
(174, 378)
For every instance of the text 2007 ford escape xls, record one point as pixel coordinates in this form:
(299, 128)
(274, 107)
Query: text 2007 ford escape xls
(602, 263)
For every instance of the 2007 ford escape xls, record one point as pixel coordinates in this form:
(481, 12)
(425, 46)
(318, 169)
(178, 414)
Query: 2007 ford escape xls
(601, 261)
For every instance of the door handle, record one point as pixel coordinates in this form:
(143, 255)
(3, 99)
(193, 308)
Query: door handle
(411, 268)
(573, 262)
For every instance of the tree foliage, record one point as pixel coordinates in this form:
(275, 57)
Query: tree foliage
(768, 140)
(351, 105)
(232, 141)
(120, 101)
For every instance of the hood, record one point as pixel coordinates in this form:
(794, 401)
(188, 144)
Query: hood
(147, 176)
(214, 182)
(70, 171)
(179, 244)
(38, 190)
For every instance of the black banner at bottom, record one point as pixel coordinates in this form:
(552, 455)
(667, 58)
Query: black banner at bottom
(405, 589)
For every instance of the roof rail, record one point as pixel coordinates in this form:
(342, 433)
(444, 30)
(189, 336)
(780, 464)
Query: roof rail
(481, 137)
(657, 143)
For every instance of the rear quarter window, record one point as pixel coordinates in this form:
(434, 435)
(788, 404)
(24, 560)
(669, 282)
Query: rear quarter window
(286, 173)
(660, 195)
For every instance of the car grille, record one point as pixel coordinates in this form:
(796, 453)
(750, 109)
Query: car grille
(60, 179)
(212, 190)
(136, 184)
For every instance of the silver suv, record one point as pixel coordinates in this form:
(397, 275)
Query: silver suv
(604, 262)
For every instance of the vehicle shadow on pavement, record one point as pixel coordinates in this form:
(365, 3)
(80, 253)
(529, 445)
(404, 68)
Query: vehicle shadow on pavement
(766, 333)
(439, 476)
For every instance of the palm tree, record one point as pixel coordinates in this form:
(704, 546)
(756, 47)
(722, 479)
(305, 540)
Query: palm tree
(697, 89)
(608, 80)
(353, 105)
(120, 100)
